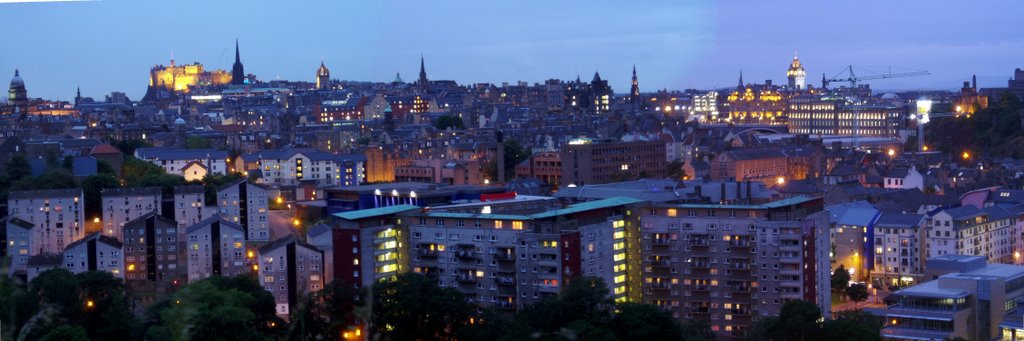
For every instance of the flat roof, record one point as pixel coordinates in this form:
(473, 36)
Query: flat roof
(932, 289)
(375, 212)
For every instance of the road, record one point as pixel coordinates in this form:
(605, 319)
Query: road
(280, 223)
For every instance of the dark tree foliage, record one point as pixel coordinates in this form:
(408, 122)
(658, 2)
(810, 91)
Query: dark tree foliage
(92, 189)
(197, 142)
(323, 314)
(840, 279)
(217, 308)
(858, 292)
(449, 121)
(414, 307)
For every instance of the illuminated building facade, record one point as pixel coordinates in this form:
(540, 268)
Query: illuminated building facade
(323, 77)
(180, 78)
(17, 95)
(49, 220)
(817, 114)
(509, 261)
(756, 104)
(795, 75)
(546, 166)
(734, 264)
(970, 100)
(705, 106)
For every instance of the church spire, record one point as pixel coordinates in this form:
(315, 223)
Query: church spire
(237, 71)
(741, 79)
(422, 83)
(634, 91)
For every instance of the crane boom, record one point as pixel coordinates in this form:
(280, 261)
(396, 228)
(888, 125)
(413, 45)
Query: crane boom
(853, 79)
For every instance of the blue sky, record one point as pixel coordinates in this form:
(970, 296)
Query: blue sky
(109, 45)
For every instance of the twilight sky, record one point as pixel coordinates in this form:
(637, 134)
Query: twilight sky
(109, 45)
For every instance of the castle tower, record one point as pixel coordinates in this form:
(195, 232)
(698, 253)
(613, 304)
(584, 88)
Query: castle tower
(237, 71)
(323, 77)
(796, 75)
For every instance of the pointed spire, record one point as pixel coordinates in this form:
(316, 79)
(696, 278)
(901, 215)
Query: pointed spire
(238, 56)
(741, 79)
(16, 73)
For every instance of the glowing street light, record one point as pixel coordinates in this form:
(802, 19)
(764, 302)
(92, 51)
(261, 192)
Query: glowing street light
(966, 155)
(780, 180)
(892, 152)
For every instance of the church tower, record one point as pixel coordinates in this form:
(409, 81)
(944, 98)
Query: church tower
(323, 77)
(422, 83)
(634, 90)
(237, 71)
(796, 75)
(17, 95)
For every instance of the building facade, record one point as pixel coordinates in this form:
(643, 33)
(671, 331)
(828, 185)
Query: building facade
(289, 269)
(734, 264)
(57, 217)
(121, 205)
(597, 162)
(216, 247)
(245, 203)
(95, 252)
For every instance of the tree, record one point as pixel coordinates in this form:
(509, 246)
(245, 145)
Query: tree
(675, 169)
(18, 167)
(197, 142)
(68, 163)
(109, 317)
(698, 330)
(851, 325)
(840, 279)
(19, 305)
(798, 320)
(66, 333)
(636, 321)
(858, 292)
(325, 312)
(214, 182)
(582, 308)
(128, 146)
(449, 121)
(514, 154)
(412, 306)
(217, 308)
(92, 189)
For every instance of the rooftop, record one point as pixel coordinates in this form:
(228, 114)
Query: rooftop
(375, 212)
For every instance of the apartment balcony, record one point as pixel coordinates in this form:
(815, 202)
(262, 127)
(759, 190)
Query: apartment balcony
(430, 272)
(660, 241)
(739, 289)
(505, 257)
(465, 278)
(505, 305)
(700, 288)
(739, 266)
(465, 254)
(505, 281)
(740, 312)
(661, 285)
(699, 243)
(739, 243)
(700, 265)
(660, 263)
(425, 253)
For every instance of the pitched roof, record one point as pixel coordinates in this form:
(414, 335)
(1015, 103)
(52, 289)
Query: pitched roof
(19, 222)
(100, 238)
(180, 154)
(285, 241)
(104, 148)
(900, 220)
(45, 260)
(45, 193)
(210, 220)
(131, 191)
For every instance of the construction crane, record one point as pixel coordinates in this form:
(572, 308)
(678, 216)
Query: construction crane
(847, 75)
(853, 79)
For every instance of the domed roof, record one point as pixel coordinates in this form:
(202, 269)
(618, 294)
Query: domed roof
(795, 67)
(179, 120)
(17, 82)
(323, 71)
(890, 96)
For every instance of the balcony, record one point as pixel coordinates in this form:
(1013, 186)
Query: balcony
(661, 285)
(430, 272)
(465, 278)
(699, 242)
(739, 289)
(465, 253)
(660, 241)
(660, 263)
(739, 266)
(426, 253)
(505, 305)
(505, 280)
(739, 243)
(505, 257)
(740, 312)
(700, 265)
(700, 288)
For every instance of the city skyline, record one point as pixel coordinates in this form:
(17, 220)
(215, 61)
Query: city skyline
(699, 45)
